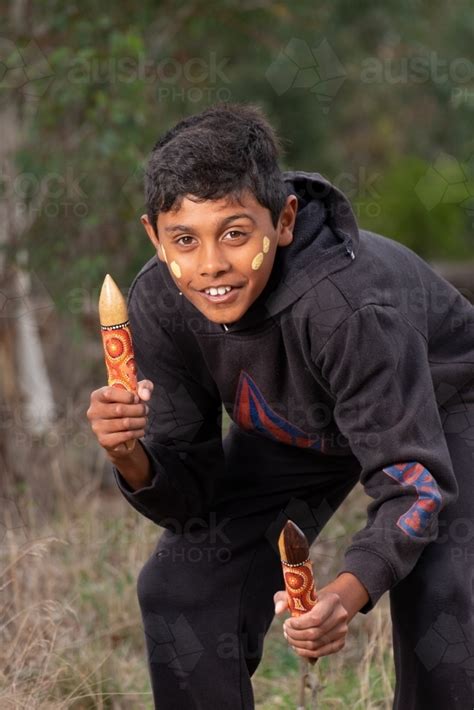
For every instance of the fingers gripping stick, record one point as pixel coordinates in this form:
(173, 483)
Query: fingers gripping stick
(117, 340)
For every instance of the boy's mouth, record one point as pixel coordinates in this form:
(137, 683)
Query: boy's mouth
(221, 294)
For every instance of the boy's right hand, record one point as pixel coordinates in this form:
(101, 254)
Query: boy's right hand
(116, 416)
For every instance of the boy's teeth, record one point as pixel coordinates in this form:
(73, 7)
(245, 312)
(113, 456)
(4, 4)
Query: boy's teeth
(218, 291)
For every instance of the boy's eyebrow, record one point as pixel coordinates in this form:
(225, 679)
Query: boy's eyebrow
(221, 224)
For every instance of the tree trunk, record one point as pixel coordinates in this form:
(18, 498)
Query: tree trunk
(25, 385)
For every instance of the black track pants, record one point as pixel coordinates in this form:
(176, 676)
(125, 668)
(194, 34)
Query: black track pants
(433, 608)
(206, 594)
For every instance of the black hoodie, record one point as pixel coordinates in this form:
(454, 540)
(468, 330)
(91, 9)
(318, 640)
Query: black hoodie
(350, 351)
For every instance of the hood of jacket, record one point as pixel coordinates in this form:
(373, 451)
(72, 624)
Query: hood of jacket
(325, 240)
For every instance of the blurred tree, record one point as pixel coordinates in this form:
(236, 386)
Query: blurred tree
(24, 75)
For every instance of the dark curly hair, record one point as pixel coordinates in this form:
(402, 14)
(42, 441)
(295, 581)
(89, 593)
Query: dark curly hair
(221, 151)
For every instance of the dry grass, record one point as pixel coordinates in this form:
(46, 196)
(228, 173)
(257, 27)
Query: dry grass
(70, 630)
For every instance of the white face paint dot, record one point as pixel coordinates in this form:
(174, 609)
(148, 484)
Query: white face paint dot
(175, 269)
(164, 253)
(266, 245)
(257, 261)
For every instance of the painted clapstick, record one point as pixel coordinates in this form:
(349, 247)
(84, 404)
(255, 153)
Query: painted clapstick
(297, 571)
(117, 340)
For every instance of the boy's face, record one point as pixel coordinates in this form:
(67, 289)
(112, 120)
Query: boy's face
(218, 243)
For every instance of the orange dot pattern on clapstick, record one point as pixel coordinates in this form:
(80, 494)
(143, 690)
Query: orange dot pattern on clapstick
(300, 589)
(119, 357)
(297, 569)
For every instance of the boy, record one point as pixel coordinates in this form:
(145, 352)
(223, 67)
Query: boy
(339, 356)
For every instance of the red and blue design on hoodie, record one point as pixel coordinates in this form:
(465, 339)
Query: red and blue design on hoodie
(252, 413)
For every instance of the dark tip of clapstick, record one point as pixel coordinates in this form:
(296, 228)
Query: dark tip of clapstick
(293, 545)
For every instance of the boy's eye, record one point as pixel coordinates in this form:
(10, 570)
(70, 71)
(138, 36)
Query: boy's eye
(184, 244)
(236, 234)
(186, 241)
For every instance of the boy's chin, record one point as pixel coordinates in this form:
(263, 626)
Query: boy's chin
(221, 318)
(221, 315)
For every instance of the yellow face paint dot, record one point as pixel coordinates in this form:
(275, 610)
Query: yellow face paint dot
(175, 269)
(257, 261)
(164, 253)
(266, 245)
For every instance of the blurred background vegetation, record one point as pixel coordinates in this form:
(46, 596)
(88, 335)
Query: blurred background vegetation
(379, 97)
(388, 96)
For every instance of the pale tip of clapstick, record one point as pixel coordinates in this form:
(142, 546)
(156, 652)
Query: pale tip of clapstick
(112, 305)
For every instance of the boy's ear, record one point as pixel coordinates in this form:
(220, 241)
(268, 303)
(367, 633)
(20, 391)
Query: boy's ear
(286, 223)
(152, 236)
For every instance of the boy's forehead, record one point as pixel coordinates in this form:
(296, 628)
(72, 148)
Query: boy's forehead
(206, 211)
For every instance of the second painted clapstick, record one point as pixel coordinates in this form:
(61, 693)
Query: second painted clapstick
(297, 571)
(117, 340)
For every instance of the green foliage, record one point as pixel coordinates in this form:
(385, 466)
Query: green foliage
(425, 208)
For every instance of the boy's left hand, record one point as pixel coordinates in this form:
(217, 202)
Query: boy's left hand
(319, 632)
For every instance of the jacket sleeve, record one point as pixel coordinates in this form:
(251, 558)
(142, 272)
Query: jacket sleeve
(183, 439)
(377, 369)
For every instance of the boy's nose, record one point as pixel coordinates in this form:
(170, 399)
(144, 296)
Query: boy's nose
(213, 263)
